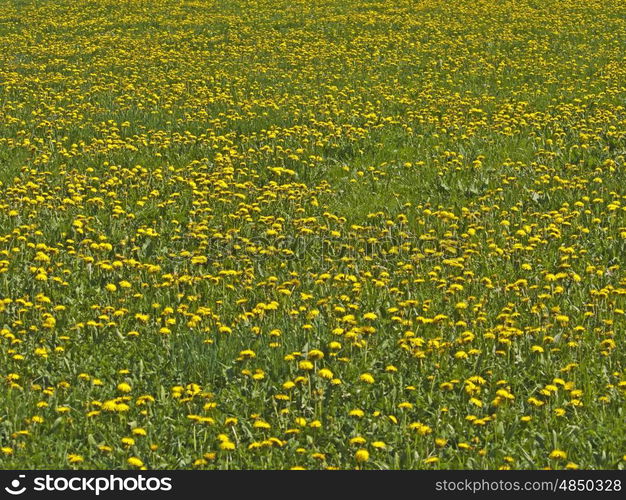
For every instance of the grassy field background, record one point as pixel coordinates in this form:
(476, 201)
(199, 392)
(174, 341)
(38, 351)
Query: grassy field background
(312, 234)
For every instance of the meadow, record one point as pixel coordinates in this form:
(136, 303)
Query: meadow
(375, 234)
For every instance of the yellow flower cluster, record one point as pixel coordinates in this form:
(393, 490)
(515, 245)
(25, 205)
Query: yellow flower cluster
(300, 234)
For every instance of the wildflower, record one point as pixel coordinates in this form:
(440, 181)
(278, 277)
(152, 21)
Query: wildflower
(135, 462)
(305, 365)
(558, 455)
(315, 354)
(128, 441)
(75, 459)
(362, 455)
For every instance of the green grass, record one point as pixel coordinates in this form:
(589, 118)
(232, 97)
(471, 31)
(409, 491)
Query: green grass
(431, 193)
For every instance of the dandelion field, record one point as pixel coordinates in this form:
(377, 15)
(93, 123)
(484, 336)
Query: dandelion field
(312, 234)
